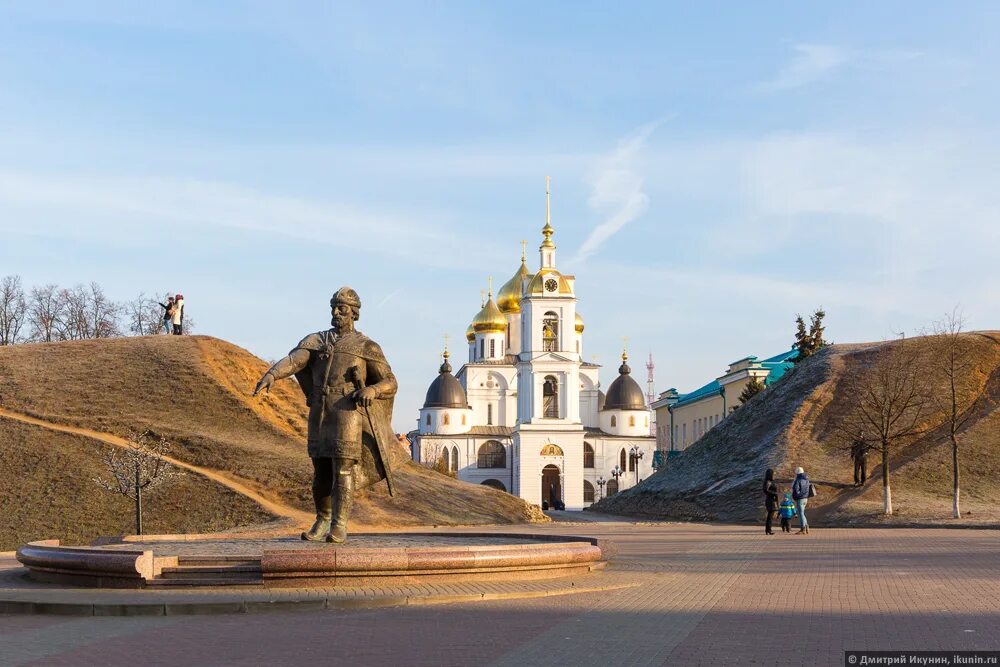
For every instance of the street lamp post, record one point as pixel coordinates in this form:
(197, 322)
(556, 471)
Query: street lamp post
(617, 473)
(600, 483)
(637, 454)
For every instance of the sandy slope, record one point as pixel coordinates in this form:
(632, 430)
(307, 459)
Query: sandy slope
(195, 391)
(795, 423)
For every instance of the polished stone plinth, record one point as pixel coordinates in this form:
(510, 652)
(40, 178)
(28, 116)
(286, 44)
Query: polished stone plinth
(374, 559)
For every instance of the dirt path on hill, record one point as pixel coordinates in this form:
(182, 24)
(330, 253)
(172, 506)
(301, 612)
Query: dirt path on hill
(272, 505)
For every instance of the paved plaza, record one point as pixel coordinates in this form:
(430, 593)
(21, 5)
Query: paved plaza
(699, 594)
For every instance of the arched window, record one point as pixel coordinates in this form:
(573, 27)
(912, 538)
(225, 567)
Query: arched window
(428, 419)
(463, 420)
(647, 420)
(454, 459)
(495, 483)
(631, 462)
(612, 487)
(550, 397)
(446, 419)
(621, 459)
(614, 421)
(550, 332)
(446, 458)
(492, 455)
(631, 420)
(588, 455)
(493, 348)
(482, 348)
(588, 492)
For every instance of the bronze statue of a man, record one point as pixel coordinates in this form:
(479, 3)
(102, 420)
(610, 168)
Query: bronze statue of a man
(349, 389)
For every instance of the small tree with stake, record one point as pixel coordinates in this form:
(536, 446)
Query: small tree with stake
(139, 466)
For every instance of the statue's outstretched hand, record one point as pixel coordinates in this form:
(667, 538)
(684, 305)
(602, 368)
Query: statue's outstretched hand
(264, 384)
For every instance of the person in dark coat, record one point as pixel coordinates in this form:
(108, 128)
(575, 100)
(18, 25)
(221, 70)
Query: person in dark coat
(770, 500)
(800, 494)
(168, 313)
(859, 454)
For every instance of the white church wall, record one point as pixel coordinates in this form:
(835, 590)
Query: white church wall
(446, 421)
(625, 422)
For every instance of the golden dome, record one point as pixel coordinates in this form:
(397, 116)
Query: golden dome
(541, 279)
(579, 323)
(470, 334)
(509, 296)
(489, 319)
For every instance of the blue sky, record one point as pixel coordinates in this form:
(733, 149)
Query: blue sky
(717, 167)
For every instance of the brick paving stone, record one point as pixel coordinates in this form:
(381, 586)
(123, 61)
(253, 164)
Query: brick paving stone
(701, 594)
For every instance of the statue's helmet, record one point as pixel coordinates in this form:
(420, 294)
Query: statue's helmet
(347, 296)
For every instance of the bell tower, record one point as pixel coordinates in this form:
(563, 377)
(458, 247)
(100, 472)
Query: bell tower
(549, 380)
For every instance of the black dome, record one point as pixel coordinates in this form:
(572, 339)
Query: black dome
(624, 393)
(445, 391)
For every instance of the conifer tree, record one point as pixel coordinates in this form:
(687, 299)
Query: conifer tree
(754, 387)
(809, 341)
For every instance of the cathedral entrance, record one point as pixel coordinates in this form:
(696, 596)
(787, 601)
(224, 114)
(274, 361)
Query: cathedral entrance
(551, 488)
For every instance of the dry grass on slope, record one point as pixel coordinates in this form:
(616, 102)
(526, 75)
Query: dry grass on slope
(195, 391)
(162, 383)
(46, 492)
(796, 422)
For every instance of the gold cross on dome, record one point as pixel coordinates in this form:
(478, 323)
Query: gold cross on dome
(524, 250)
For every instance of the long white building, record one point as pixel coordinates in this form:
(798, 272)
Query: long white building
(525, 413)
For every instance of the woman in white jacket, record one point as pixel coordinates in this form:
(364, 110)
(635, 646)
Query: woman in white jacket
(178, 320)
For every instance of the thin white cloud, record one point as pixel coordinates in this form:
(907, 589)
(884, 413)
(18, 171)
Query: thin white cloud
(111, 205)
(810, 63)
(616, 190)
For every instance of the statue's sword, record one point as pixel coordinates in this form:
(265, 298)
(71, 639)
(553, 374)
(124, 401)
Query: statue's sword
(358, 385)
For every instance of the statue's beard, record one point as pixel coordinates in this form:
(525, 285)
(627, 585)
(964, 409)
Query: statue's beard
(340, 326)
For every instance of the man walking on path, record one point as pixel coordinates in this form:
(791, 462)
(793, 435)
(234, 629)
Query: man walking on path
(801, 490)
(859, 454)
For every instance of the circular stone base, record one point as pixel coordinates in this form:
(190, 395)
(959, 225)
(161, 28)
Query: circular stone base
(366, 560)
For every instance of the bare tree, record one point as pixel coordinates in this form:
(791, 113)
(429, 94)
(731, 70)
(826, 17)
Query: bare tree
(139, 466)
(102, 314)
(45, 313)
(892, 404)
(144, 315)
(74, 323)
(86, 313)
(954, 361)
(13, 310)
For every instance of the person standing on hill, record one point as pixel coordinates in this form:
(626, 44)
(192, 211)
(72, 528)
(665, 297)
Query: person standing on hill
(168, 313)
(770, 500)
(859, 454)
(801, 491)
(178, 317)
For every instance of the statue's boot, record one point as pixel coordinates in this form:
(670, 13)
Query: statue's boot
(344, 494)
(324, 515)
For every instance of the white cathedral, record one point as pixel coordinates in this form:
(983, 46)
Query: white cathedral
(526, 414)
